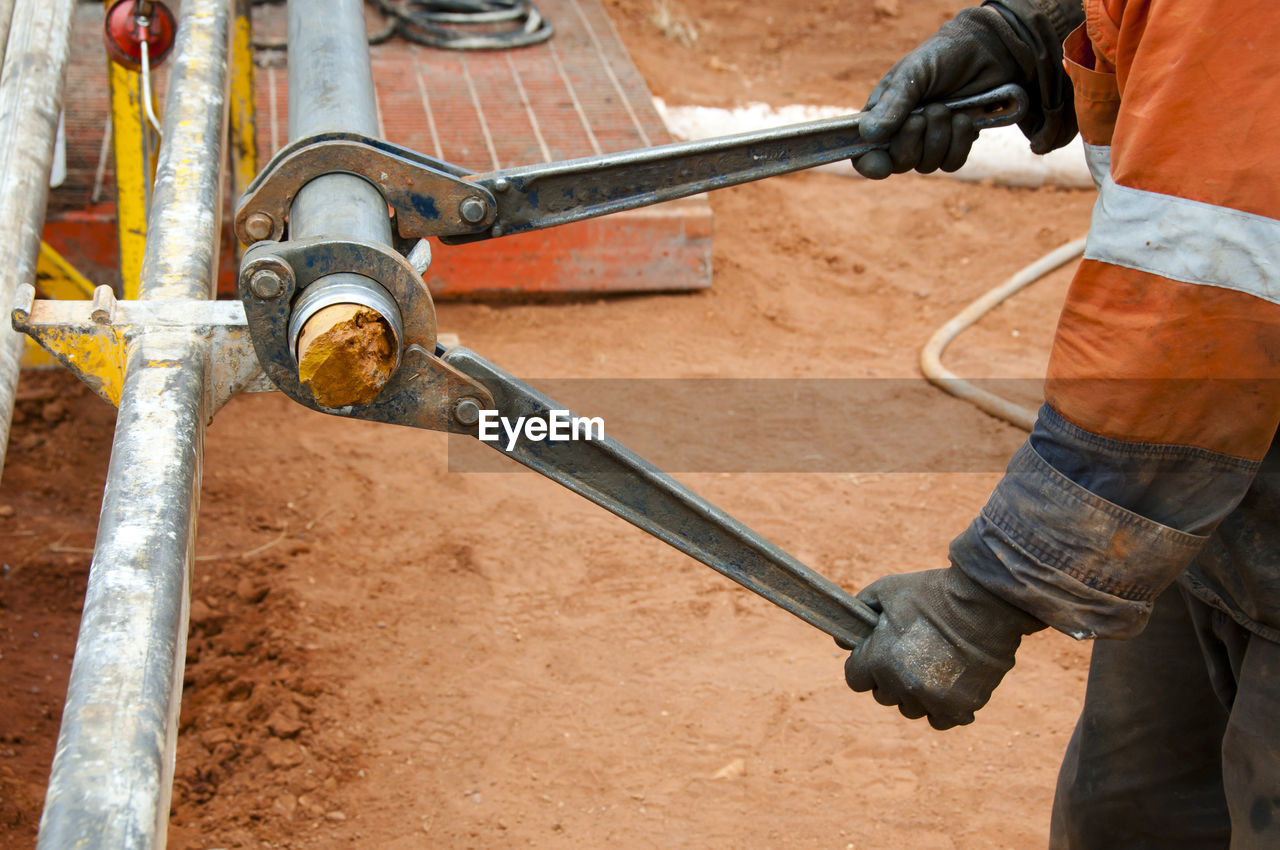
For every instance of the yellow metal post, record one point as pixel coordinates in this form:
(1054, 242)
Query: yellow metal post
(244, 116)
(57, 278)
(133, 145)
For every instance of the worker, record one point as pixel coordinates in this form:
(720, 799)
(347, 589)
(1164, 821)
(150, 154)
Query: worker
(1144, 509)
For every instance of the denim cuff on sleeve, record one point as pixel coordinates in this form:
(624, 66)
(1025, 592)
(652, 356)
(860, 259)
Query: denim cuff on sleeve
(1083, 565)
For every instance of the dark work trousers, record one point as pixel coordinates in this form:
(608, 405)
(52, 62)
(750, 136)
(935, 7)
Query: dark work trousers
(1178, 744)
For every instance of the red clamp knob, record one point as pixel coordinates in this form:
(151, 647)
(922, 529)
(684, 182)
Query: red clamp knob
(123, 33)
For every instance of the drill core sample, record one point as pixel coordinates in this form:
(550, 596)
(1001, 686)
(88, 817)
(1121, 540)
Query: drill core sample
(346, 353)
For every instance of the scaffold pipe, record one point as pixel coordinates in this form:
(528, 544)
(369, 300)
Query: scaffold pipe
(6, 19)
(31, 85)
(112, 772)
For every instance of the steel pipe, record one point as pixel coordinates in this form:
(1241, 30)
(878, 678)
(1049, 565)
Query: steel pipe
(331, 89)
(113, 769)
(31, 83)
(181, 259)
(112, 772)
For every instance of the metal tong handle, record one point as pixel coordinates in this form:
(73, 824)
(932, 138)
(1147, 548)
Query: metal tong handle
(534, 197)
(622, 482)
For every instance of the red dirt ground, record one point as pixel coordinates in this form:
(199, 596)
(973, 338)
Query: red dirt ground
(385, 653)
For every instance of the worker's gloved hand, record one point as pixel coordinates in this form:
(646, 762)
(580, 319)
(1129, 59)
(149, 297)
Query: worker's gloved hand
(942, 645)
(1008, 41)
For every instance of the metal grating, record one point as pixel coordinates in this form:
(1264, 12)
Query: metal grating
(575, 95)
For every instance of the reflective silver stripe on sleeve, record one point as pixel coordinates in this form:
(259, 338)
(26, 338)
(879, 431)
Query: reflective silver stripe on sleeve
(1185, 240)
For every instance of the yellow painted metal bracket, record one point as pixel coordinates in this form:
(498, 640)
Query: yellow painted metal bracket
(93, 338)
(56, 278)
(97, 359)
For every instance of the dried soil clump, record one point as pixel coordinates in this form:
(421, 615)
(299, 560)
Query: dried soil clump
(346, 355)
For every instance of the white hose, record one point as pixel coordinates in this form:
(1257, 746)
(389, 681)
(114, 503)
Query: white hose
(931, 354)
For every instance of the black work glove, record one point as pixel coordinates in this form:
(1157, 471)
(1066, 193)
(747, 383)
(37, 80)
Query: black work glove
(1004, 41)
(942, 645)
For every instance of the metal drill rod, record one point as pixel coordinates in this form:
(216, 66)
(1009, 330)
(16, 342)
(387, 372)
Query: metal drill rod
(620, 481)
(38, 44)
(110, 785)
(331, 90)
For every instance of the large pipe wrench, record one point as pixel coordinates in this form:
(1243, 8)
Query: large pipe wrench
(450, 389)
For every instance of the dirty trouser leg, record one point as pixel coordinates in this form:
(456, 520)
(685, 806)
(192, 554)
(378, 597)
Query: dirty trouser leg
(1245, 669)
(1143, 770)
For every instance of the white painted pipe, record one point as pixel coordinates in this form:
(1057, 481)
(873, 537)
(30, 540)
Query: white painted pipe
(35, 61)
(110, 785)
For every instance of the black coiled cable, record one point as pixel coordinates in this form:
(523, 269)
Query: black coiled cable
(452, 24)
(468, 24)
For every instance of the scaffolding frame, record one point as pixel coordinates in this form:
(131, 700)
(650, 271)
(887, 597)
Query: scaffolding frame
(112, 773)
(168, 360)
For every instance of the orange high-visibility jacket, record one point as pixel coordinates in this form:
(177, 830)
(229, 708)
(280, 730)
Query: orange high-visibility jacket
(1162, 399)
